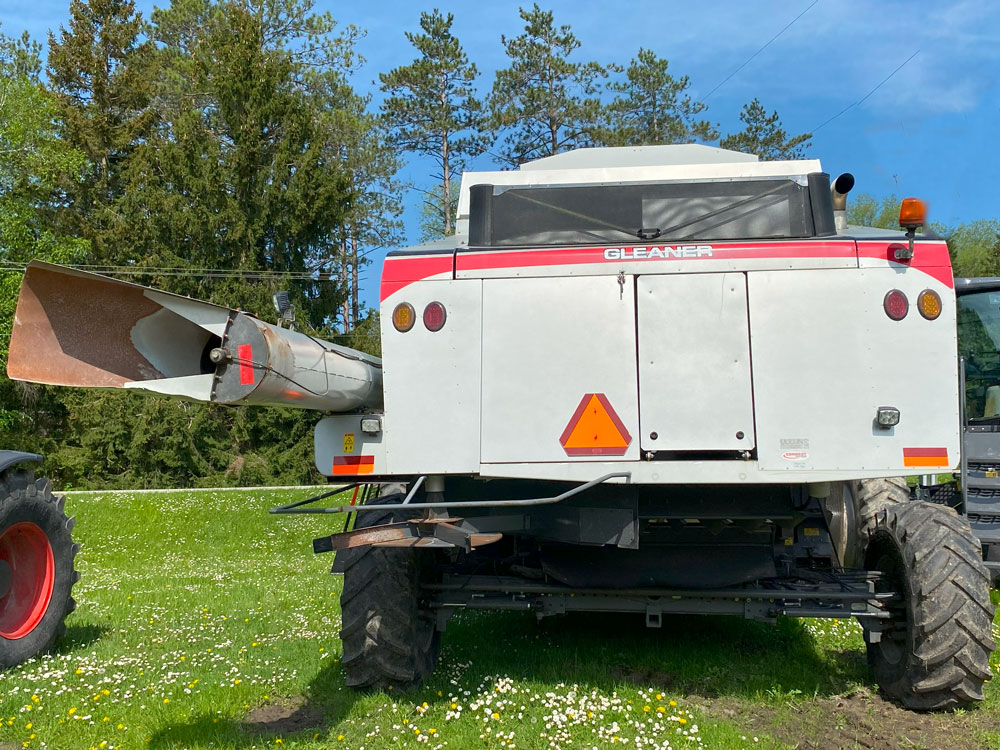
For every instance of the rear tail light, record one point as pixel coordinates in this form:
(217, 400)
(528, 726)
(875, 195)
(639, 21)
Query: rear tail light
(435, 316)
(929, 304)
(403, 317)
(896, 305)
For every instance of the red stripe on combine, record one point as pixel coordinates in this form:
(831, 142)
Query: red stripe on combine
(494, 259)
(925, 452)
(245, 355)
(401, 271)
(928, 257)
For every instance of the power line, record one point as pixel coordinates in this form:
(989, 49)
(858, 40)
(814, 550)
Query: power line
(214, 273)
(877, 87)
(768, 44)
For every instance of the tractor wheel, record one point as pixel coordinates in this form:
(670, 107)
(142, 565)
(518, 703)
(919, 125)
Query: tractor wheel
(933, 653)
(36, 566)
(390, 639)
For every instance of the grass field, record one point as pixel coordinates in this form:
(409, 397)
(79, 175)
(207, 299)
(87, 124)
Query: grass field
(204, 622)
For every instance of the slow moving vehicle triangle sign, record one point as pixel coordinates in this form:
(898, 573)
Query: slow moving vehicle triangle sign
(595, 429)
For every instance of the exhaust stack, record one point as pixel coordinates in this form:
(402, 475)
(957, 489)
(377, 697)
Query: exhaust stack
(75, 328)
(841, 187)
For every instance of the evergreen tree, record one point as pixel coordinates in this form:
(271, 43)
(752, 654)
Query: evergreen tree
(764, 136)
(864, 210)
(651, 107)
(35, 163)
(543, 102)
(431, 106)
(97, 68)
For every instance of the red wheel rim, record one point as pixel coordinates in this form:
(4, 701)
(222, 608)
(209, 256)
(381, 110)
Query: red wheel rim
(26, 549)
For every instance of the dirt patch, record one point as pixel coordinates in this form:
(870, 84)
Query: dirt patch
(283, 716)
(859, 720)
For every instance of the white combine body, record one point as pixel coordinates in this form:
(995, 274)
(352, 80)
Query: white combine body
(717, 360)
(653, 380)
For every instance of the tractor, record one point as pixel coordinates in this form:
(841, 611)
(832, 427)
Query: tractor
(649, 380)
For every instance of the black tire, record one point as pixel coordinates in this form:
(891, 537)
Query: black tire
(934, 652)
(389, 638)
(35, 586)
(871, 497)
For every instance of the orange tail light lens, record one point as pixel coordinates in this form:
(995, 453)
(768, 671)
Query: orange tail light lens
(403, 317)
(929, 304)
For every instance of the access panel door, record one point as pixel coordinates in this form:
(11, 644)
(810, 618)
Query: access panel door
(695, 392)
(559, 374)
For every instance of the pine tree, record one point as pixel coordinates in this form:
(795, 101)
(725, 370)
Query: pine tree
(651, 107)
(544, 103)
(97, 68)
(431, 106)
(764, 136)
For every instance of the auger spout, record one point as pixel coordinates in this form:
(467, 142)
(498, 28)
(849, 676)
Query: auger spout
(75, 328)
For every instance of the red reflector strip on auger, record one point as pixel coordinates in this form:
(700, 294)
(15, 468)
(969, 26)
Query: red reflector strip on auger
(353, 465)
(245, 354)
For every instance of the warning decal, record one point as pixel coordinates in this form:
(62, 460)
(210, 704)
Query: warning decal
(595, 429)
(353, 465)
(914, 457)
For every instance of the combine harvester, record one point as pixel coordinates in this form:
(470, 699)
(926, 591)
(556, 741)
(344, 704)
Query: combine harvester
(652, 380)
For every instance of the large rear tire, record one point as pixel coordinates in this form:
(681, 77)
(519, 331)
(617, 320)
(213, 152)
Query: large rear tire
(36, 567)
(934, 651)
(390, 638)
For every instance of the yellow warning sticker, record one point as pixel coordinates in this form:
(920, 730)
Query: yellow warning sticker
(349, 442)
(810, 531)
(990, 473)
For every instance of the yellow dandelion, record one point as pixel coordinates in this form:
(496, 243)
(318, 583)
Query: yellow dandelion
(454, 706)
(659, 696)
(340, 737)
(496, 715)
(431, 731)
(673, 703)
(682, 720)
(120, 726)
(647, 709)
(660, 709)
(79, 671)
(28, 725)
(72, 711)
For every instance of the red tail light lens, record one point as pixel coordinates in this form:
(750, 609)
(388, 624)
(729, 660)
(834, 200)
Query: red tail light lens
(896, 305)
(435, 316)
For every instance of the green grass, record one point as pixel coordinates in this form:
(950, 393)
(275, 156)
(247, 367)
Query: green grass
(205, 622)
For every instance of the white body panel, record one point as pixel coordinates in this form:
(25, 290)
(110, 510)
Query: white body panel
(826, 357)
(694, 362)
(433, 403)
(546, 344)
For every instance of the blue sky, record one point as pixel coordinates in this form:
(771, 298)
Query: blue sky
(930, 131)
